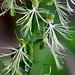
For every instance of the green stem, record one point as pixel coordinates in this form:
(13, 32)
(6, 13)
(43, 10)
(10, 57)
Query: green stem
(34, 58)
(55, 11)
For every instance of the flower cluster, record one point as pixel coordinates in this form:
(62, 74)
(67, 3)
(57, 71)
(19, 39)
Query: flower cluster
(47, 28)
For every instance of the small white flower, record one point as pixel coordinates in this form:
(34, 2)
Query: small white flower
(29, 14)
(61, 7)
(7, 5)
(58, 56)
(15, 61)
(61, 30)
(63, 17)
(53, 43)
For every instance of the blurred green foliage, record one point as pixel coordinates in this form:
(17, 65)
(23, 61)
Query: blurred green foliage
(44, 60)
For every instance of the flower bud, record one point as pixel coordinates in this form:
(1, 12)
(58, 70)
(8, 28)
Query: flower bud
(51, 17)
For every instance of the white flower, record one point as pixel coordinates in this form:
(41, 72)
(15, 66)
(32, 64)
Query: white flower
(53, 43)
(63, 17)
(15, 61)
(7, 5)
(58, 56)
(29, 14)
(61, 7)
(52, 35)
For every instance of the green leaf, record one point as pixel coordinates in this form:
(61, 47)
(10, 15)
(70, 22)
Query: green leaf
(49, 2)
(29, 50)
(38, 41)
(12, 11)
(43, 45)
